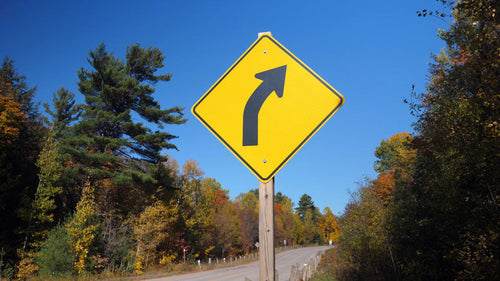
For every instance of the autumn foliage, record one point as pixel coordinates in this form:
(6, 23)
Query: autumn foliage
(90, 189)
(11, 115)
(432, 213)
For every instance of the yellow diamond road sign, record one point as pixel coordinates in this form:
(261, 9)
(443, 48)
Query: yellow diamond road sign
(267, 106)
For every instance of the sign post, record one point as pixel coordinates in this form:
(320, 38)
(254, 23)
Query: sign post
(266, 231)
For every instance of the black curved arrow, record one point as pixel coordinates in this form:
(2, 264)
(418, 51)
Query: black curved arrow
(273, 80)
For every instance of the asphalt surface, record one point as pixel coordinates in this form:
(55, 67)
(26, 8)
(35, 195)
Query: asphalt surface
(250, 272)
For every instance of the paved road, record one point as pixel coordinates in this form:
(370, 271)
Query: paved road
(284, 263)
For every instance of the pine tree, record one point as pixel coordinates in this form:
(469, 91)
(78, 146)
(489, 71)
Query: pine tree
(108, 142)
(63, 116)
(118, 140)
(306, 204)
(65, 112)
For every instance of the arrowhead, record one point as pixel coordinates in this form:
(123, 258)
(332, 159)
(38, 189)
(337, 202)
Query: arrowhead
(273, 80)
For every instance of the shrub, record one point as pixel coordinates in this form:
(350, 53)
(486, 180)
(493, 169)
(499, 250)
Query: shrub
(55, 256)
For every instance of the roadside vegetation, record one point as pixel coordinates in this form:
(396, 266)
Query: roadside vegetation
(88, 191)
(432, 213)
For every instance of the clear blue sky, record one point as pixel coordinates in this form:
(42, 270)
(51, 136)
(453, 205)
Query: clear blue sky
(370, 51)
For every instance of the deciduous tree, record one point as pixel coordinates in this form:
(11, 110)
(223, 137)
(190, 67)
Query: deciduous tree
(44, 205)
(394, 164)
(329, 227)
(228, 237)
(12, 119)
(153, 229)
(364, 250)
(249, 219)
(83, 229)
(445, 224)
(284, 219)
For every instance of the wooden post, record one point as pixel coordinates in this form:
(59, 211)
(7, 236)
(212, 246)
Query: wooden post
(266, 231)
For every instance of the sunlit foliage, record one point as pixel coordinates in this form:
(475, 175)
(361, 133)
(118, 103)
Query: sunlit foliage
(89, 189)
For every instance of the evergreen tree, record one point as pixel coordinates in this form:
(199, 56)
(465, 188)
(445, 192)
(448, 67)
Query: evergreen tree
(65, 111)
(62, 118)
(18, 171)
(306, 204)
(55, 257)
(109, 142)
(280, 198)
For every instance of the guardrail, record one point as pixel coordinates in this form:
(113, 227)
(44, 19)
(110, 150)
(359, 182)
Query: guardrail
(307, 271)
(218, 262)
(298, 272)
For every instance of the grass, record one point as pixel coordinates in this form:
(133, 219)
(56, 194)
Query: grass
(326, 268)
